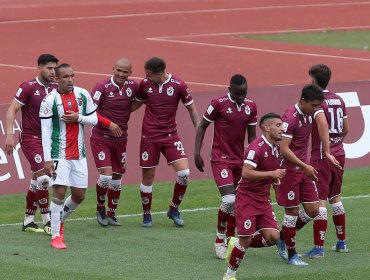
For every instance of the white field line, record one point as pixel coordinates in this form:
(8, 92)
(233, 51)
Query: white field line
(107, 75)
(259, 49)
(182, 211)
(228, 10)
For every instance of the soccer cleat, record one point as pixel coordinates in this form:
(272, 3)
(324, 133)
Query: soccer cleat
(296, 260)
(112, 221)
(147, 221)
(282, 250)
(61, 231)
(314, 253)
(101, 217)
(47, 228)
(174, 215)
(32, 227)
(340, 247)
(232, 278)
(57, 243)
(230, 247)
(220, 249)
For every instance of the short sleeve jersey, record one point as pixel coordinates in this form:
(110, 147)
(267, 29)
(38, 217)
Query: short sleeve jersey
(263, 156)
(230, 125)
(30, 95)
(67, 138)
(114, 103)
(297, 126)
(335, 112)
(161, 106)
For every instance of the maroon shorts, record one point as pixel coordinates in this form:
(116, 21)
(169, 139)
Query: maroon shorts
(252, 217)
(296, 188)
(226, 173)
(171, 147)
(32, 149)
(109, 154)
(330, 178)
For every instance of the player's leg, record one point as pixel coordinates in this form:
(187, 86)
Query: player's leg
(101, 152)
(309, 199)
(56, 207)
(231, 222)
(149, 159)
(29, 224)
(42, 194)
(236, 250)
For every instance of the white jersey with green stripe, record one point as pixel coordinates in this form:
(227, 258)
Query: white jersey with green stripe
(67, 139)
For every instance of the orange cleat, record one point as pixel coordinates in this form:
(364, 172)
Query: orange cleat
(57, 243)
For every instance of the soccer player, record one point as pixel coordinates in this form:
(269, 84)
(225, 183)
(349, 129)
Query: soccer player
(255, 218)
(113, 98)
(63, 113)
(28, 99)
(298, 186)
(332, 118)
(161, 91)
(233, 115)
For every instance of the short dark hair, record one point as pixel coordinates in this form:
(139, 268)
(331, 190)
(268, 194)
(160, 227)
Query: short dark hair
(267, 117)
(46, 58)
(238, 80)
(155, 64)
(321, 73)
(57, 69)
(312, 92)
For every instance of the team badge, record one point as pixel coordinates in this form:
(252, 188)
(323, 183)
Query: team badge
(18, 92)
(291, 195)
(123, 158)
(97, 95)
(128, 92)
(43, 201)
(38, 158)
(170, 91)
(247, 110)
(145, 156)
(247, 224)
(266, 154)
(46, 111)
(101, 155)
(144, 200)
(79, 101)
(115, 201)
(69, 103)
(224, 173)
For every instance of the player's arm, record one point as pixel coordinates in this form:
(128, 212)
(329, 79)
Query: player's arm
(46, 115)
(288, 155)
(249, 173)
(10, 117)
(323, 130)
(136, 105)
(193, 114)
(201, 130)
(251, 130)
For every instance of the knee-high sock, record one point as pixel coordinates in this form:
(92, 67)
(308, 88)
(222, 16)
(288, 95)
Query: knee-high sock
(31, 203)
(68, 208)
(320, 225)
(42, 195)
(114, 193)
(146, 199)
(231, 225)
(178, 195)
(339, 219)
(56, 207)
(236, 257)
(101, 191)
(289, 231)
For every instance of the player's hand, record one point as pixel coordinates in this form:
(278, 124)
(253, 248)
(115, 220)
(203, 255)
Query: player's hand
(117, 132)
(49, 168)
(199, 163)
(311, 172)
(70, 117)
(333, 161)
(278, 174)
(9, 144)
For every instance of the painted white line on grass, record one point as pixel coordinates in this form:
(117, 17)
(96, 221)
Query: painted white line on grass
(108, 75)
(182, 211)
(259, 49)
(240, 9)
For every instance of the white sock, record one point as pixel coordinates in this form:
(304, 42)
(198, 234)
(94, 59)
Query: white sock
(230, 273)
(28, 219)
(55, 210)
(68, 208)
(45, 218)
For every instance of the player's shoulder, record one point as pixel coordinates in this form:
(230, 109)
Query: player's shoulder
(28, 84)
(103, 84)
(175, 79)
(221, 99)
(81, 90)
(248, 101)
(257, 143)
(332, 99)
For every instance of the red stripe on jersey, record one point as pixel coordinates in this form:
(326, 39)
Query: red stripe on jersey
(70, 104)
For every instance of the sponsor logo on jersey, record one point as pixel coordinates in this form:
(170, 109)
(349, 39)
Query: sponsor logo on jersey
(247, 224)
(145, 156)
(111, 94)
(170, 91)
(101, 155)
(251, 154)
(150, 90)
(229, 111)
(128, 92)
(19, 92)
(291, 195)
(210, 109)
(38, 158)
(37, 92)
(224, 173)
(97, 95)
(247, 110)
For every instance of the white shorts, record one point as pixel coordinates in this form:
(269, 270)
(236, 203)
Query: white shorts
(70, 173)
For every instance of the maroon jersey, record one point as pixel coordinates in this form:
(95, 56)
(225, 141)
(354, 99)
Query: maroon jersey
(230, 125)
(335, 112)
(113, 102)
(297, 126)
(30, 95)
(161, 106)
(263, 156)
